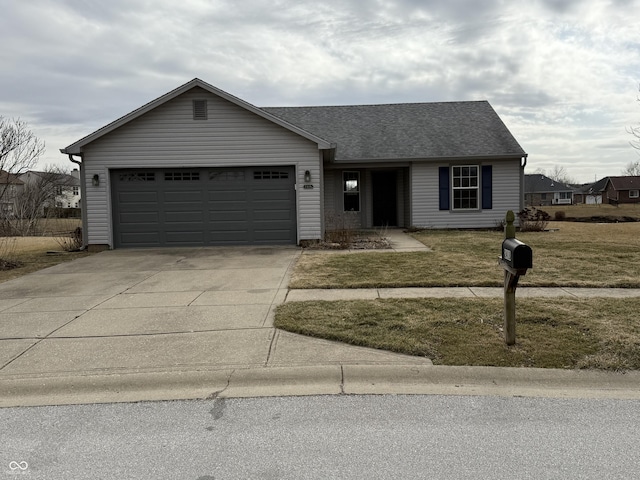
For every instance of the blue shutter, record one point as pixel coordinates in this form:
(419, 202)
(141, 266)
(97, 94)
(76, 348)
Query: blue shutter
(444, 188)
(487, 189)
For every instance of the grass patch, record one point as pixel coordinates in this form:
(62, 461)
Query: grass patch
(578, 255)
(29, 254)
(554, 333)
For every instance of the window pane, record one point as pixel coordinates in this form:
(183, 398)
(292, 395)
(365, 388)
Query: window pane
(351, 202)
(351, 190)
(465, 199)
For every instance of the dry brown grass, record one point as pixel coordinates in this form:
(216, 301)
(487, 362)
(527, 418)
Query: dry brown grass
(577, 254)
(585, 211)
(551, 333)
(31, 253)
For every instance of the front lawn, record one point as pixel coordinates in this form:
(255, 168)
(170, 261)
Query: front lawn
(22, 255)
(550, 333)
(577, 255)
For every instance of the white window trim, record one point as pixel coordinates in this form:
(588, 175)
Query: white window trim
(631, 193)
(476, 188)
(344, 191)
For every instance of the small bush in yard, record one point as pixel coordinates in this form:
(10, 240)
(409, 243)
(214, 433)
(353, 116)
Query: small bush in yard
(533, 220)
(340, 228)
(560, 216)
(71, 242)
(7, 254)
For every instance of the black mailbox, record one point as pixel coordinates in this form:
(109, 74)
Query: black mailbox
(516, 254)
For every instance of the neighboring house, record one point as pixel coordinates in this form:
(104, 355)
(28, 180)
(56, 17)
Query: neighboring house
(10, 188)
(621, 190)
(63, 190)
(199, 166)
(590, 193)
(540, 190)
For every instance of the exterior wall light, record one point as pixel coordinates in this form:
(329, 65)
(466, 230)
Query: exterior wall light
(95, 181)
(307, 176)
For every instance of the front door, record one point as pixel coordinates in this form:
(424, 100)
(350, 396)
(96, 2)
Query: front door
(385, 208)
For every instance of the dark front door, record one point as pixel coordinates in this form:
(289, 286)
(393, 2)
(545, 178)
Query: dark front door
(384, 199)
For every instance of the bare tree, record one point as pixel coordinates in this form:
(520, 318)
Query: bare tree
(632, 169)
(20, 149)
(37, 199)
(560, 175)
(635, 131)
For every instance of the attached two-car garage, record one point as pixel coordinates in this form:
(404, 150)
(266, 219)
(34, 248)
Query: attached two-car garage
(203, 206)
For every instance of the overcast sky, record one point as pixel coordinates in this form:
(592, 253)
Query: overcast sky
(562, 74)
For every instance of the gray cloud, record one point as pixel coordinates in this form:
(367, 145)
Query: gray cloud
(561, 73)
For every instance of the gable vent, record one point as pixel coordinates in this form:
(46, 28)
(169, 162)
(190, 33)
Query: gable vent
(199, 109)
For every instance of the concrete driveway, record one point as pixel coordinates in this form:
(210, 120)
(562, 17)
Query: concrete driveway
(160, 320)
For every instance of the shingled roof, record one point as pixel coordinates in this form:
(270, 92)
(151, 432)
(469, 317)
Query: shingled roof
(538, 183)
(593, 188)
(407, 130)
(625, 183)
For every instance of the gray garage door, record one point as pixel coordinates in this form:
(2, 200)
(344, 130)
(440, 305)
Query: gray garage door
(214, 206)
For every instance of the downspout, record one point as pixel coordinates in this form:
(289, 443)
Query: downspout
(83, 200)
(523, 163)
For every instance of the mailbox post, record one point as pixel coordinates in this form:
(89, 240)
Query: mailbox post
(516, 258)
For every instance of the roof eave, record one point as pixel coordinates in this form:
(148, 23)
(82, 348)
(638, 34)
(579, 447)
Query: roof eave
(510, 156)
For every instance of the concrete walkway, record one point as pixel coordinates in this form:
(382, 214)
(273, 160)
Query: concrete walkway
(132, 325)
(456, 292)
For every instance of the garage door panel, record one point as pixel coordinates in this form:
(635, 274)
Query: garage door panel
(139, 217)
(229, 195)
(230, 237)
(275, 194)
(185, 238)
(183, 196)
(204, 207)
(138, 197)
(272, 216)
(183, 217)
(142, 239)
(229, 216)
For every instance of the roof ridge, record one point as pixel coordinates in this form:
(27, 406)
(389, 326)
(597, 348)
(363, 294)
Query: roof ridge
(379, 104)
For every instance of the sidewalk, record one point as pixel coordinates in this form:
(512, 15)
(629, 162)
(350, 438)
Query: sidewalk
(455, 292)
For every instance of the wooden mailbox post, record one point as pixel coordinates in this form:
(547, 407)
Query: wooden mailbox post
(516, 258)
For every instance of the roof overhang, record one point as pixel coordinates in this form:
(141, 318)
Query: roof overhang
(462, 158)
(76, 148)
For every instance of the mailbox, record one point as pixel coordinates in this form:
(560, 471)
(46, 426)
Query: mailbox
(517, 255)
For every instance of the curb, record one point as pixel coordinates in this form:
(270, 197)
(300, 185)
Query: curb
(133, 386)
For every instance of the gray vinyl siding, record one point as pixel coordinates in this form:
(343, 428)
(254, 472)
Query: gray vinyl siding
(168, 136)
(330, 203)
(425, 209)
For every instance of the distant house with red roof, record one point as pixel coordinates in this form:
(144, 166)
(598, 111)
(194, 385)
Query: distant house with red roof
(621, 190)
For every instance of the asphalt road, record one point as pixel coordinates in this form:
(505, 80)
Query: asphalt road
(381, 437)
